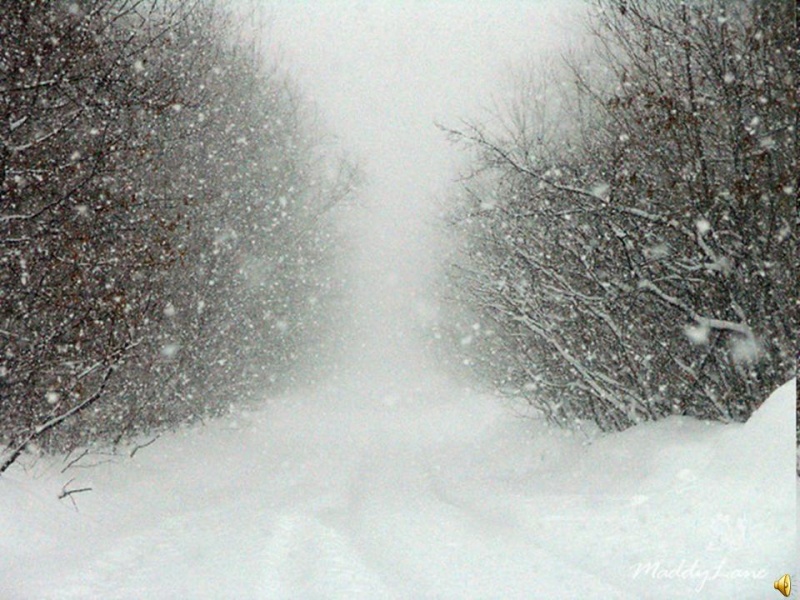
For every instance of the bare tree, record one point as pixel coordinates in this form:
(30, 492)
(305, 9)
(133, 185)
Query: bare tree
(162, 216)
(637, 260)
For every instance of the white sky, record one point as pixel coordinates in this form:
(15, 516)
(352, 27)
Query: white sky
(381, 74)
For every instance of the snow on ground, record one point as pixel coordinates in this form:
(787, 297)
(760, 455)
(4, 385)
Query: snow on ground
(411, 489)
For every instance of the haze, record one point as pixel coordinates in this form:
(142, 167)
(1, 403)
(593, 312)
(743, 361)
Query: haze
(382, 74)
(219, 467)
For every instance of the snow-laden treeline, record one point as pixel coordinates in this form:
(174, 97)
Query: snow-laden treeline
(163, 204)
(627, 235)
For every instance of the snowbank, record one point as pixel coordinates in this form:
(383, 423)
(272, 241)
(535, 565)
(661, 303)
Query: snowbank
(421, 491)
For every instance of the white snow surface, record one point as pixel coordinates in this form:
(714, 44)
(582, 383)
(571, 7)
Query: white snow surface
(411, 489)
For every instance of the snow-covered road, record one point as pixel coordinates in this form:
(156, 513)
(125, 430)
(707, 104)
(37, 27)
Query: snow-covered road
(427, 492)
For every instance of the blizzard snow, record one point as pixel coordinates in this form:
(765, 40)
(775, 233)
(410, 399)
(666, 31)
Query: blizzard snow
(396, 482)
(411, 488)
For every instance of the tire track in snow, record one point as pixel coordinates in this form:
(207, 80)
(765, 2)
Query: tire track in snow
(429, 542)
(306, 559)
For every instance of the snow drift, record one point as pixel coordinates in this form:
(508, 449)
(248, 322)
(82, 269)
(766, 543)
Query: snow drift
(416, 490)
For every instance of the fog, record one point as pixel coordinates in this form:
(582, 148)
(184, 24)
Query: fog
(159, 434)
(381, 76)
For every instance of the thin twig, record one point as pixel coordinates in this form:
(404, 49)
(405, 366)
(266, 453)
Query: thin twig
(139, 447)
(65, 493)
(74, 460)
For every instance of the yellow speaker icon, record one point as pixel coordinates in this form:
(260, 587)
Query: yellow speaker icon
(784, 585)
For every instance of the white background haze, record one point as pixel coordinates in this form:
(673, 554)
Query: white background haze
(382, 75)
(390, 481)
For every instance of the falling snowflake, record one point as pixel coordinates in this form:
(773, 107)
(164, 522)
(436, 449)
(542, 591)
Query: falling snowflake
(703, 226)
(170, 350)
(698, 333)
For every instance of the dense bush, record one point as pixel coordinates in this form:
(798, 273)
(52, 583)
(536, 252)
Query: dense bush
(628, 234)
(162, 231)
